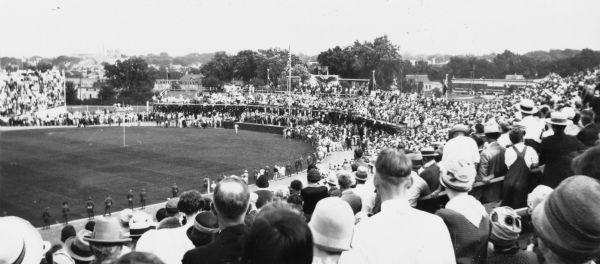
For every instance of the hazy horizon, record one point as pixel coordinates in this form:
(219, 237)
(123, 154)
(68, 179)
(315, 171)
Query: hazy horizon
(50, 28)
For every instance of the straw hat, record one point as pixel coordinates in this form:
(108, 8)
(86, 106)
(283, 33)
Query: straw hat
(20, 242)
(108, 230)
(139, 223)
(78, 248)
(527, 106)
(492, 128)
(557, 118)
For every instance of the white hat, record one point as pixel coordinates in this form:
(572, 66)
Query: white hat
(20, 242)
(139, 223)
(527, 106)
(332, 224)
(491, 128)
(557, 118)
(569, 112)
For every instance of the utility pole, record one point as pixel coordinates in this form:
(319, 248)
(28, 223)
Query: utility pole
(373, 80)
(289, 68)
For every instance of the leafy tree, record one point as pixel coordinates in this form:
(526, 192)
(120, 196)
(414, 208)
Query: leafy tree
(220, 67)
(360, 60)
(71, 93)
(131, 79)
(245, 65)
(212, 82)
(107, 94)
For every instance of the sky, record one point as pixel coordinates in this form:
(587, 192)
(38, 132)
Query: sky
(135, 27)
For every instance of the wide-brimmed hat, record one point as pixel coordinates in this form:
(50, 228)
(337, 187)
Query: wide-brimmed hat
(332, 178)
(492, 128)
(78, 248)
(415, 156)
(557, 118)
(429, 152)
(205, 226)
(171, 206)
(527, 106)
(108, 231)
(332, 224)
(458, 175)
(20, 242)
(205, 222)
(361, 174)
(460, 128)
(139, 223)
(125, 216)
(567, 221)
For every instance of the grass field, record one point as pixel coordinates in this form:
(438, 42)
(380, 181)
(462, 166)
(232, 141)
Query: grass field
(40, 168)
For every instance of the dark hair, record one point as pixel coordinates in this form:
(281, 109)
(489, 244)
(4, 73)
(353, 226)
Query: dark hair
(588, 163)
(312, 166)
(587, 116)
(493, 136)
(295, 199)
(279, 236)
(479, 128)
(354, 167)
(262, 182)
(190, 202)
(516, 135)
(358, 153)
(478, 140)
(393, 163)
(296, 185)
(232, 201)
(66, 232)
(139, 258)
(161, 214)
(89, 226)
(345, 181)
(558, 128)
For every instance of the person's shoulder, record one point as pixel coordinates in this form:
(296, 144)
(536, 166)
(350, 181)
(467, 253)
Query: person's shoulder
(193, 255)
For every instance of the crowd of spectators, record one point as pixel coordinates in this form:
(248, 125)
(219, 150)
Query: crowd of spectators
(540, 143)
(347, 214)
(24, 93)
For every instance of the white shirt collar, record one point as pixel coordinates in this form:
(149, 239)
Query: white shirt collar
(395, 205)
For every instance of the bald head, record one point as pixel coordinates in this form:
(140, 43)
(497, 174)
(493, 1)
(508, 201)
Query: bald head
(231, 198)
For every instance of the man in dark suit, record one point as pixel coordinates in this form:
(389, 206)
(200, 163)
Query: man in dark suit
(588, 135)
(230, 204)
(557, 151)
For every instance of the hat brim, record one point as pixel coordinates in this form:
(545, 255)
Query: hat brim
(533, 110)
(31, 238)
(67, 248)
(548, 121)
(329, 244)
(115, 241)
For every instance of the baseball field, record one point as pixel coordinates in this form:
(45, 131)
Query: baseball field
(46, 167)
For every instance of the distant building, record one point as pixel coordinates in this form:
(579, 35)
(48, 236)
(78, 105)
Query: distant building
(514, 77)
(186, 82)
(421, 83)
(489, 86)
(84, 88)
